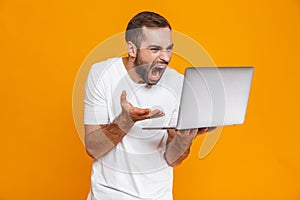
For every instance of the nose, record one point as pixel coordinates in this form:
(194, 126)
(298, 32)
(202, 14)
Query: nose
(165, 55)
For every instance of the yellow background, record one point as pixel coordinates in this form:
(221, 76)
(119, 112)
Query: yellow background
(43, 44)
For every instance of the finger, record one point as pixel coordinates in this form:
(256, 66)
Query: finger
(211, 128)
(190, 131)
(195, 130)
(139, 111)
(187, 134)
(139, 117)
(123, 99)
(183, 131)
(156, 113)
(193, 133)
(150, 114)
(202, 130)
(160, 114)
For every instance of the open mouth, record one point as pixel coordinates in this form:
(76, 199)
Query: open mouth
(156, 72)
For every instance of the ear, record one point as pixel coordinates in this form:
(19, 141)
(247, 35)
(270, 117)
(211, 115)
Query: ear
(131, 49)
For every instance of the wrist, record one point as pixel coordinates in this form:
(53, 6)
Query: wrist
(124, 122)
(183, 142)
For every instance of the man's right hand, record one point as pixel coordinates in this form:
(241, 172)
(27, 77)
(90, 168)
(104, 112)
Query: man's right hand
(138, 114)
(99, 141)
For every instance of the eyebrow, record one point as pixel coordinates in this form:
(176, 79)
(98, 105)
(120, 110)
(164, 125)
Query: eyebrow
(159, 47)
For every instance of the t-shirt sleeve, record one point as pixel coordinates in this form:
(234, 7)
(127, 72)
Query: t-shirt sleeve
(95, 103)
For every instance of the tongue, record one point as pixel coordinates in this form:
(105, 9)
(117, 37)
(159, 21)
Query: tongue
(154, 74)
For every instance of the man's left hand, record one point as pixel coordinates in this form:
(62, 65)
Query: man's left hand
(202, 131)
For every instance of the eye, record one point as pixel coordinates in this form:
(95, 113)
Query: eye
(154, 49)
(170, 49)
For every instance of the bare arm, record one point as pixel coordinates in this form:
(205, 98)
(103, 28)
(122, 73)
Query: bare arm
(99, 139)
(179, 143)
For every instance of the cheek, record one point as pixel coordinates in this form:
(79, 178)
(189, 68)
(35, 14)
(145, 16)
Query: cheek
(148, 57)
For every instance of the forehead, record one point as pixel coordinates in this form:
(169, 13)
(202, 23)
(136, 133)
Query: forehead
(157, 36)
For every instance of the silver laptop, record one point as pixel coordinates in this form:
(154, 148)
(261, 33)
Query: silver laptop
(213, 96)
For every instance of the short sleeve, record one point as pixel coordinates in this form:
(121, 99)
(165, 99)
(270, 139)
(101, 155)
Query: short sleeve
(95, 103)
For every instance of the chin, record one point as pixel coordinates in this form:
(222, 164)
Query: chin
(149, 85)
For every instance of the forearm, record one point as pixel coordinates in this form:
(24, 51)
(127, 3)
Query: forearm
(100, 141)
(177, 149)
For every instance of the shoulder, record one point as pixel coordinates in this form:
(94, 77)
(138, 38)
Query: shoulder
(103, 67)
(107, 73)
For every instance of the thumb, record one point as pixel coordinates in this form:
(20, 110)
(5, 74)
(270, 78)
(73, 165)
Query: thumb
(123, 100)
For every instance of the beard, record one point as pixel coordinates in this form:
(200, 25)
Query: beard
(151, 73)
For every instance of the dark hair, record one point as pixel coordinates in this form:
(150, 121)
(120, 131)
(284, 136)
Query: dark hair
(134, 31)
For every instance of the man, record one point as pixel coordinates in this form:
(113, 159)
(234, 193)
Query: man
(121, 96)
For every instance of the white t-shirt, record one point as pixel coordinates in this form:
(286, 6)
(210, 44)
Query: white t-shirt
(136, 167)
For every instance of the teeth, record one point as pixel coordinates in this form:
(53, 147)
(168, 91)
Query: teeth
(160, 67)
